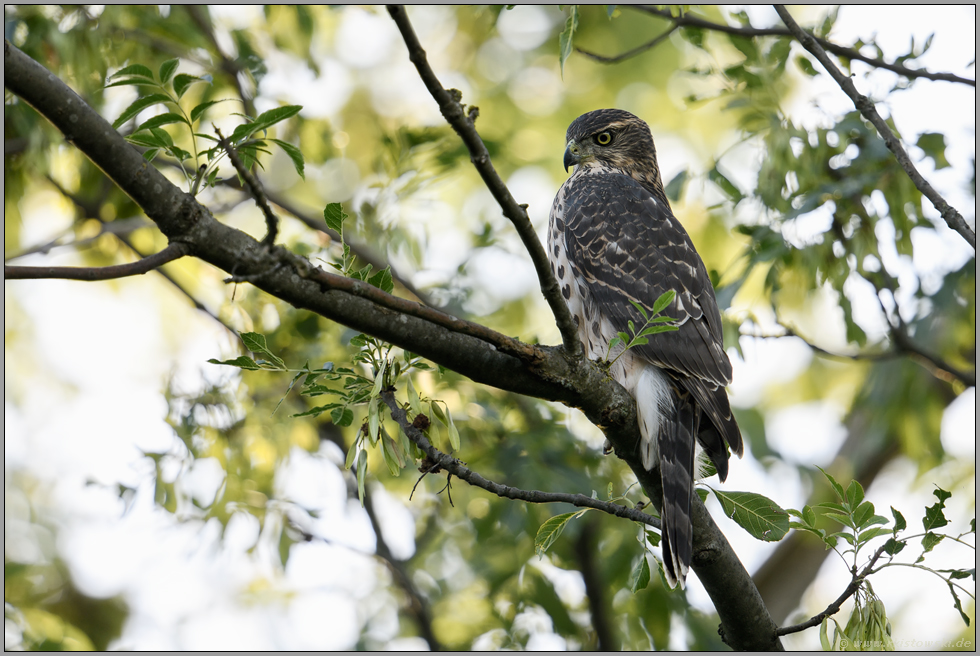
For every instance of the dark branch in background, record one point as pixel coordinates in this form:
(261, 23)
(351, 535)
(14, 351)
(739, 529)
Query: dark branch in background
(169, 254)
(585, 549)
(686, 20)
(854, 586)
(91, 210)
(639, 50)
(549, 373)
(464, 126)
(904, 343)
(416, 602)
(457, 469)
(867, 108)
(230, 66)
(271, 220)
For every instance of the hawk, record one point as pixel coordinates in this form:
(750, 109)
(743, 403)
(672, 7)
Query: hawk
(612, 239)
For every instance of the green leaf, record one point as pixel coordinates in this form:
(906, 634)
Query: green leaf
(133, 69)
(934, 146)
(382, 280)
(758, 515)
(255, 342)
(929, 541)
(374, 421)
(183, 81)
(958, 605)
(413, 398)
(361, 475)
(351, 454)
(663, 301)
(566, 37)
(806, 66)
(675, 188)
(242, 362)
(162, 119)
(265, 120)
(453, 433)
(855, 495)
(379, 380)
(139, 105)
(893, 546)
(551, 530)
(834, 484)
(335, 216)
(167, 69)
(294, 154)
(899, 521)
(640, 576)
(199, 110)
(134, 81)
(934, 517)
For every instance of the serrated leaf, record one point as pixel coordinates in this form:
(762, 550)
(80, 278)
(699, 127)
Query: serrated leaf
(265, 120)
(930, 540)
(167, 69)
(134, 81)
(551, 530)
(639, 308)
(147, 140)
(242, 362)
(855, 494)
(139, 105)
(934, 517)
(335, 216)
(162, 119)
(133, 69)
(834, 484)
(199, 110)
(382, 280)
(663, 301)
(899, 521)
(183, 82)
(295, 154)
(761, 517)
(256, 343)
(640, 576)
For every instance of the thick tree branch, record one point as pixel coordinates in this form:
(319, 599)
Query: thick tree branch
(172, 252)
(867, 108)
(550, 373)
(686, 20)
(463, 124)
(460, 471)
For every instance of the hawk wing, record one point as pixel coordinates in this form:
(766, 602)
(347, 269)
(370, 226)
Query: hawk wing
(626, 244)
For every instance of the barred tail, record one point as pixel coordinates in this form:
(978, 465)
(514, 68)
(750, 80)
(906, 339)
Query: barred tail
(677, 474)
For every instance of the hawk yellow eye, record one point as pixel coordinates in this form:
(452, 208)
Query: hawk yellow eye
(603, 138)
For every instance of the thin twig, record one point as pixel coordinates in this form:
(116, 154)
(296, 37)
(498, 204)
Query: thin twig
(686, 20)
(463, 123)
(854, 586)
(639, 50)
(460, 471)
(271, 220)
(173, 251)
(867, 108)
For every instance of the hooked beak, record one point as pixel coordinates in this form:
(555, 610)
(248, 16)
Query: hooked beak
(573, 154)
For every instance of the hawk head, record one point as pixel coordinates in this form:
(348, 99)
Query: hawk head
(615, 139)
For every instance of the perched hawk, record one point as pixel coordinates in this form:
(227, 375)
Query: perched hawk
(613, 239)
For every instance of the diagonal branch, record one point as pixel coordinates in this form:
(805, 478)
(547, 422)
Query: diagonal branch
(463, 123)
(172, 252)
(460, 471)
(856, 580)
(686, 20)
(867, 108)
(639, 50)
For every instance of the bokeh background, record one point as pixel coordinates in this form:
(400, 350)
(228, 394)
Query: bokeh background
(156, 501)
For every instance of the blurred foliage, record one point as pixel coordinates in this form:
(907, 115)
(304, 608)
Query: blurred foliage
(373, 140)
